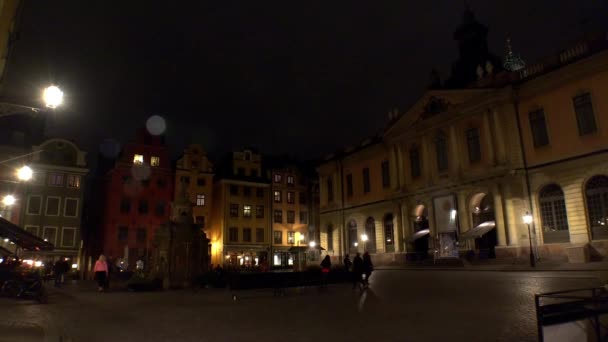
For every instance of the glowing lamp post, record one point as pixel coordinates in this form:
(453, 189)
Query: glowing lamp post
(25, 173)
(312, 244)
(52, 96)
(9, 200)
(528, 220)
(364, 239)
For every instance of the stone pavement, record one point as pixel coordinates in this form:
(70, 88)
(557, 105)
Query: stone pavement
(11, 331)
(494, 266)
(399, 306)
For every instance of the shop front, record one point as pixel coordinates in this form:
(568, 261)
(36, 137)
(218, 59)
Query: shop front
(282, 258)
(245, 258)
(446, 221)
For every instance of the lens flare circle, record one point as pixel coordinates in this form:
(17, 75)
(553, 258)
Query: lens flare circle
(156, 125)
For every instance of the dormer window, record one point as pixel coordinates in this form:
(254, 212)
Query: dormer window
(138, 159)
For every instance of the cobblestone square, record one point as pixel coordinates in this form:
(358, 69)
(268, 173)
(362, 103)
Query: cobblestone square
(399, 306)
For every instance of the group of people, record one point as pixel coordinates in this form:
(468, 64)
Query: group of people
(60, 268)
(358, 267)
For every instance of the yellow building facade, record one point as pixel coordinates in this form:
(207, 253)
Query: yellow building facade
(454, 175)
(290, 214)
(240, 228)
(194, 176)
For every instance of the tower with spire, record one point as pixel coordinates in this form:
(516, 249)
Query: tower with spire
(474, 61)
(512, 61)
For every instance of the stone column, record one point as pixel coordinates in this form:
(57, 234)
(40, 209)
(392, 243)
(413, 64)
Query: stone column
(393, 163)
(454, 162)
(512, 214)
(488, 139)
(499, 138)
(464, 214)
(499, 216)
(428, 168)
(400, 171)
(405, 228)
(576, 212)
(397, 235)
(431, 217)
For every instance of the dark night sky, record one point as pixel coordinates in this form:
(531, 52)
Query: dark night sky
(284, 76)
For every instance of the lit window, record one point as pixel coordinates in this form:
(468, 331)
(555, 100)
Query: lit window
(290, 180)
(200, 200)
(277, 196)
(155, 161)
(278, 178)
(246, 211)
(291, 237)
(73, 181)
(138, 159)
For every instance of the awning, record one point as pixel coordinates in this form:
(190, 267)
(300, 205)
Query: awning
(478, 231)
(303, 249)
(417, 235)
(5, 252)
(21, 238)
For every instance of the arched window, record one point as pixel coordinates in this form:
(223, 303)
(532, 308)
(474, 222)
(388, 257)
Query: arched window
(389, 233)
(330, 238)
(483, 209)
(370, 231)
(415, 169)
(596, 192)
(441, 149)
(352, 236)
(554, 220)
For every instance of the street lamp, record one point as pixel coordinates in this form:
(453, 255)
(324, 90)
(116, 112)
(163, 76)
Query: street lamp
(364, 239)
(9, 200)
(528, 220)
(25, 173)
(52, 96)
(312, 244)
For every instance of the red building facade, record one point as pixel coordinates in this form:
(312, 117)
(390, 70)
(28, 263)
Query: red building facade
(138, 194)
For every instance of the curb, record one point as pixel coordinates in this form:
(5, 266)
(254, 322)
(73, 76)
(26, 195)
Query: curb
(461, 269)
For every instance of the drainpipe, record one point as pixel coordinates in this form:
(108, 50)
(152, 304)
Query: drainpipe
(343, 230)
(271, 223)
(525, 161)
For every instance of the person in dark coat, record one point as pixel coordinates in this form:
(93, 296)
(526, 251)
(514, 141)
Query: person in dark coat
(368, 267)
(357, 271)
(347, 263)
(58, 270)
(325, 268)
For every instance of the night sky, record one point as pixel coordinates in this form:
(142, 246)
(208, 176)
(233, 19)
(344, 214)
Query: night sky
(302, 78)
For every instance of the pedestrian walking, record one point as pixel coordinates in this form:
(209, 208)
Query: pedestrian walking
(325, 268)
(58, 271)
(101, 272)
(357, 271)
(65, 268)
(347, 263)
(368, 267)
